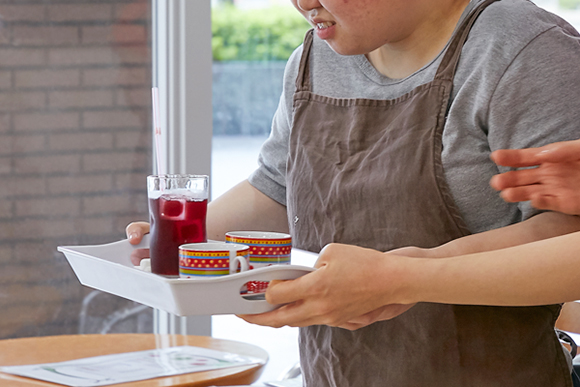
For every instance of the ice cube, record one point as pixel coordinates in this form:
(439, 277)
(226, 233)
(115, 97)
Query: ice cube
(172, 206)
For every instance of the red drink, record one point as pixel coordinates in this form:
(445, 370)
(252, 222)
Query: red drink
(175, 220)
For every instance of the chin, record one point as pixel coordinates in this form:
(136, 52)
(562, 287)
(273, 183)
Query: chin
(346, 50)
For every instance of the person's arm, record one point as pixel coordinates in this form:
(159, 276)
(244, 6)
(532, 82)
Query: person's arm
(539, 273)
(244, 208)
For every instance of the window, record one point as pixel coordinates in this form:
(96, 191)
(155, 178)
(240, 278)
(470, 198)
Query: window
(250, 52)
(75, 81)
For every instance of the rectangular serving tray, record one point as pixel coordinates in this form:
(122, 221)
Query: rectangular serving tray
(108, 268)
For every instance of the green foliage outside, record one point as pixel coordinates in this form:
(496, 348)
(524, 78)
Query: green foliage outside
(256, 35)
(569, 4)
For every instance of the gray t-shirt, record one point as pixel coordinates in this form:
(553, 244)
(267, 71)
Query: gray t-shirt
(517, 85)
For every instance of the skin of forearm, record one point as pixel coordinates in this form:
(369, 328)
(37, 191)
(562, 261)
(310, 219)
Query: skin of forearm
(538, 273)
(542, 226)
(244, 208)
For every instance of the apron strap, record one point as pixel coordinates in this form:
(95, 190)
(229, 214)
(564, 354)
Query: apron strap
(303, 78)
(446, 70)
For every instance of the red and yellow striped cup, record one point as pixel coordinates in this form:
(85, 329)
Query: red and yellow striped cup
(208, 260)
(266, 248)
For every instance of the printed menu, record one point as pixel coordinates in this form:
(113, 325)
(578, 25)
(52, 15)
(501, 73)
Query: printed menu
(131, 366)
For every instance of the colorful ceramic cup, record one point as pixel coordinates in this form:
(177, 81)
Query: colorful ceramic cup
(266, 248)
(208, 260)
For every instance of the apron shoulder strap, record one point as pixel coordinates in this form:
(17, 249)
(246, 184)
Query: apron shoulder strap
(450, 60)
(303, 78)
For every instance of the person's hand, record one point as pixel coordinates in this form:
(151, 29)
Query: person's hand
(387, 312)
(135, 232)
(553, 185)
(346, 291)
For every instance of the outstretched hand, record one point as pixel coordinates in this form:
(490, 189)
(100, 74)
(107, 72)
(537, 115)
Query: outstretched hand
(554, 183)
(347, 290)
(135, 232)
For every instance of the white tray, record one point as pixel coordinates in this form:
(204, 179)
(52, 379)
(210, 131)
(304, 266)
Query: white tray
(108, 268)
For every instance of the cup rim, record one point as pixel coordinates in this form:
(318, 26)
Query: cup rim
(214, 247)
(262, 235)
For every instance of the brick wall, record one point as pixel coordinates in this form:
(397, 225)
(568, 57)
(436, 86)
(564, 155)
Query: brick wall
(75, 85)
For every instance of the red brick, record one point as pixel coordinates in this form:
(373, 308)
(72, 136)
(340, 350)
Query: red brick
(27, 144)
(131, 181)
(114, 204)
(22, 13)
(140, 97)
(5, 165)
(112, 119)
(80, 56)
(46, 121)
(69, 206)
(134, 54)
(116, 77)
(5, 254)
(85, 183)
(15, 57)
(133, 139)
(21, 186)
(80, 12)
(5, 212)
(122, 221)
(81, 141)
(40, 248)
(78, 98)
(14, 273)
(45, 35)
(4, 123)
(115, 34)
(47, 164)
(21, 100)
(94, 225)
(136, 11)
(113, 162)
(47, 78)
(5, 79)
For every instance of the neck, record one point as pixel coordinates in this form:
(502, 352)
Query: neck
(420, 46)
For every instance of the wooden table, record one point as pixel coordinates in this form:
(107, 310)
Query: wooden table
(51, 349)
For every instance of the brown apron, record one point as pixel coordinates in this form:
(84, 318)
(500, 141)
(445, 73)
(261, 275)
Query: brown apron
(369, 173)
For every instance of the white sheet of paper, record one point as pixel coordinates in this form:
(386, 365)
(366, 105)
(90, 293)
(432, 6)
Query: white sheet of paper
(131, 366)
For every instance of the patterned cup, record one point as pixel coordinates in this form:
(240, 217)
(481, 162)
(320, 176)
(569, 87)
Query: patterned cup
(208, 260)
(266, 248)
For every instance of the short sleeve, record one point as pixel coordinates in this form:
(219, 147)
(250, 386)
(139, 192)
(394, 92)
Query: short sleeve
(537, 100)
(270, 177)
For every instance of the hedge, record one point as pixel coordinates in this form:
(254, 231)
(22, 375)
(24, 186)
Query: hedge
(570, 4)
(266, 34)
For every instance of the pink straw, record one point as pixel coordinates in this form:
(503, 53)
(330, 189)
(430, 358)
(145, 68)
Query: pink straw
(155, 100)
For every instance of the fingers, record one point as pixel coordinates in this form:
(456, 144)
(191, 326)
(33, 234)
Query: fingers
(293, 315)
(515, 178)
(560, 152)
(286, 292)
(135, 231)
(139, 254)
(516, 158)
(566, 151)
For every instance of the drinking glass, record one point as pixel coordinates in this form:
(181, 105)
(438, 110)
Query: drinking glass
(177, 215)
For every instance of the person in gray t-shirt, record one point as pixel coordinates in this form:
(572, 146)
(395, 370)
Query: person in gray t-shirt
(517, 85)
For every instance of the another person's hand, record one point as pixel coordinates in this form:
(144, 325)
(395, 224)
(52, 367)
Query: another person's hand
(553, 185)
(135, 232)
(347, 290)
(388, 312)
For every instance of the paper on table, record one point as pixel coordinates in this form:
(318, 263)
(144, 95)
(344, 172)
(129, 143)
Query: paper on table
(131, 366)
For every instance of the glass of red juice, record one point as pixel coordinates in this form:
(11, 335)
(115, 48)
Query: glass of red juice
(177, 215)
